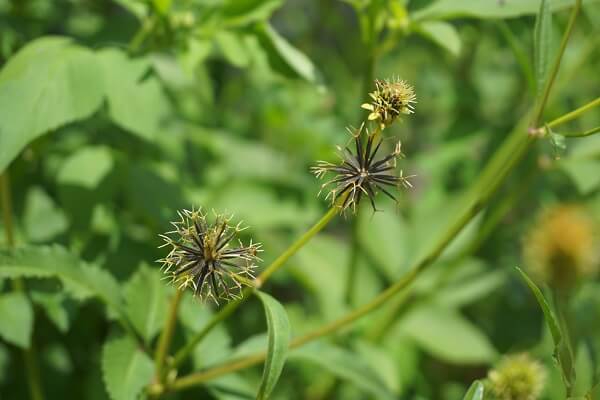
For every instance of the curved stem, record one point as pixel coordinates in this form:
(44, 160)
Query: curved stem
(29, 355)
(226, 311)
(167, 335)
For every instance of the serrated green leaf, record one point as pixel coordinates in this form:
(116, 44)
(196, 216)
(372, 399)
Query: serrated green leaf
(542, 43)
(285, 58)
(47, 84)
(125, 368)
(135, 102)
(279, 332)
(475, 391)
(146, 301)
(441, 33)
(42, 219)
(16, 315)
(447, 335)
(81, 280)
(86, 167)
(345, 365)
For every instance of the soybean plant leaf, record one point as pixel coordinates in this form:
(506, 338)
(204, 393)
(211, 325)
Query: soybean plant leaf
(279, 331)
(86, 168)
(447, 335)
(135, 102)
(16, 315)
(542, 42)
(441, 33)
(243, 12)
(80, 279)
(475, 391)
(285, 58)
(49, 83)
(562, 351)
(345, 365)
(42, 219)
(125, 368)
(146, 301)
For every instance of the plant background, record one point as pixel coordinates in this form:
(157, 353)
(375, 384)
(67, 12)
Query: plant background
(225, 105)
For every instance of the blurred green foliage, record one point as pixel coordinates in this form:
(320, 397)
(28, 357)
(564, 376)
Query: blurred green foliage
(115, 114)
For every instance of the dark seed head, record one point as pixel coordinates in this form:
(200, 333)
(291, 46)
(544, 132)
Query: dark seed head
(202, 256)
(360, 174)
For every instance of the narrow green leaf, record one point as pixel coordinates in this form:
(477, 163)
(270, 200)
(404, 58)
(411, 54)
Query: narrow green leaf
(475, 392)
(279, 332)
(492, 9)
(125, 368)
(47, 84)
(345, 365)
(146, 301)
(16, 315)
(562, 351)
(81, 280)
(548, 315)
(542, 43)
(441, 33)
(285, 58)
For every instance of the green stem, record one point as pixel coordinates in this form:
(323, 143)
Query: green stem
(226, 311)
(369, 72)
(494, 174)
(539, 111)
(166, 336)
(29, 355)
(573, 114)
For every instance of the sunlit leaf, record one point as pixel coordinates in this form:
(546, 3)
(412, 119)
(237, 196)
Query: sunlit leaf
(475, 391)
(49, 83)
(441, 33)
(542, 42)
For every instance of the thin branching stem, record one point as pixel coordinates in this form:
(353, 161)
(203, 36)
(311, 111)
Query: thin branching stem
(226, 311)
(573, 114)
(29, 355)
(492, 177)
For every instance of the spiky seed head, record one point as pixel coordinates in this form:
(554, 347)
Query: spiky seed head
(516, 377)
(203, 255)
(390, 99)
(561, 248)
(359, 174)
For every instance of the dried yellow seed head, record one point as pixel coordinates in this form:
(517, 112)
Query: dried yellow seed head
(389, 100)
(560, 249)
(517, 377)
